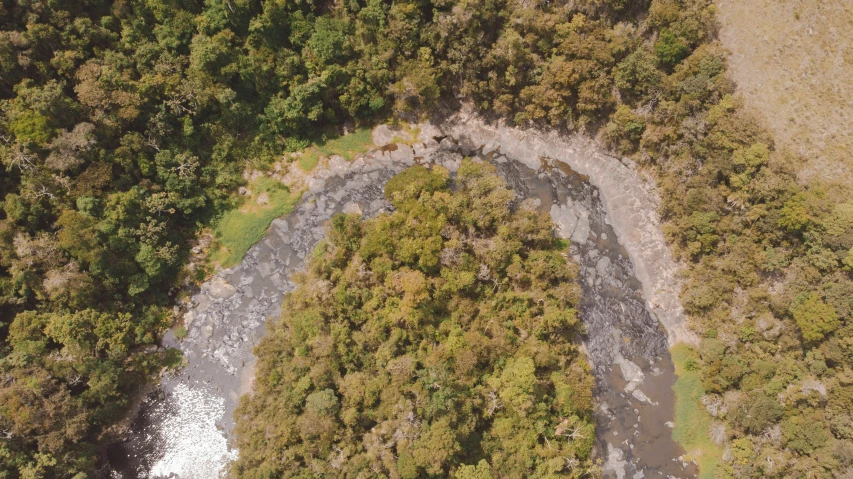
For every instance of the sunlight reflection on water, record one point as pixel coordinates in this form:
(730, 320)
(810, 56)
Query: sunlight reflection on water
(191, 444)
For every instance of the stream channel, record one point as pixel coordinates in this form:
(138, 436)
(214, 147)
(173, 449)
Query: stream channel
(183, 427)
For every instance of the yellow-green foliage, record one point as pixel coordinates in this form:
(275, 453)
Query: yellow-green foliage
(692, 422)
(767, 279)
(309, 159)
(346, 146)
(243, 226)
(435, 341)
(814, 317)
(31, 127)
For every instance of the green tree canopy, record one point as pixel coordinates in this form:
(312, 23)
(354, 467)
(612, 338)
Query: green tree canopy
(814, 317)
(445, 348)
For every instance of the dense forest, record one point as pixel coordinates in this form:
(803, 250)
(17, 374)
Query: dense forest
(125, 126)
(445, 350)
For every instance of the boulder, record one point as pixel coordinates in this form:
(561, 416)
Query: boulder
(352, 208)
(219, 289)
(189, 317)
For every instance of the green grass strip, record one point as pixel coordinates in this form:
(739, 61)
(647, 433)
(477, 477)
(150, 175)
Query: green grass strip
(692, 421)
(346, 146)
(240, 228)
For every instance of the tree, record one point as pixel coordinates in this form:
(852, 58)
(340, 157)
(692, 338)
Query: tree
(380, 362)
(69, 147)
(515, 384)
(804, 431)
(756, 412)
(624, 130)
(747, 163)
(480, 471)
(794, 215)
(328, 44)
(418, 87)
(814, 317)
(638, 73)
(670, 48)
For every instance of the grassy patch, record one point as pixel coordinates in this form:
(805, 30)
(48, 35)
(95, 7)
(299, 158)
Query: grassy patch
(692, 421)
(309, 159)
(801, 92)
(240, 228)
(181, 332)
(346, 146)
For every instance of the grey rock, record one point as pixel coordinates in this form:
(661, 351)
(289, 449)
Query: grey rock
(603, 266)
(265, 268)
(403, 154)
(352, 208)
(189, 317)
(220, 289)
(384, 135)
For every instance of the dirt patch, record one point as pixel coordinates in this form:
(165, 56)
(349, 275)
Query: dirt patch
(792, 61)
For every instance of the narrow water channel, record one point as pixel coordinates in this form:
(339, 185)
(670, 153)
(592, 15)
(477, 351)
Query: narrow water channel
(625, 343)
(184, 426)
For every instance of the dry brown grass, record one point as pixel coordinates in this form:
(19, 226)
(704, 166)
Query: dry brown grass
(793, 62)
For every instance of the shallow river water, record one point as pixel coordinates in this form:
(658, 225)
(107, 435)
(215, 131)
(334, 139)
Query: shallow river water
(183, 427)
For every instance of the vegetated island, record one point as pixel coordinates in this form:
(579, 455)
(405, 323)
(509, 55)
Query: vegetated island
(125, 127)
(438, 339)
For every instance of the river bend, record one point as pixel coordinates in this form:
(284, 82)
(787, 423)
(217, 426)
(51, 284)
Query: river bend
(630, 308)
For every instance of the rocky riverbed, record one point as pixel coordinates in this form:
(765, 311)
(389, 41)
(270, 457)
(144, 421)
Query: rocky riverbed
(630, 307)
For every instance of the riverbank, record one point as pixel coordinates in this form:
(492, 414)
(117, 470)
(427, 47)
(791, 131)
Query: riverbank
(600, 202)
(628, 196)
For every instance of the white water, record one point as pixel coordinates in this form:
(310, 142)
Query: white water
(193, 447)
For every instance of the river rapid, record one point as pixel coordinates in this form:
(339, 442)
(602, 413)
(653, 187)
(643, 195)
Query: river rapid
(630, 306)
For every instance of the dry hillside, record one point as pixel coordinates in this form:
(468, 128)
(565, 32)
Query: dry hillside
(793, 62)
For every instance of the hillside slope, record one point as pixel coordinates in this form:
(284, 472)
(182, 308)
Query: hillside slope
(793, 60)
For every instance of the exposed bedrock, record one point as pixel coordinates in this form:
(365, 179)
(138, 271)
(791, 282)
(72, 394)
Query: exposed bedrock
(601, 203)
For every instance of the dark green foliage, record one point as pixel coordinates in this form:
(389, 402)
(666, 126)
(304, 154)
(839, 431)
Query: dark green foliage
(670, 48)
(624, 131)
(814, 317)
(756, 412)
(383, 363)
(722, 370)
(125, 127)
(805, 431)
(638, 73)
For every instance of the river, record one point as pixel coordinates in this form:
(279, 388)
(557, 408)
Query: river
(630, 307)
